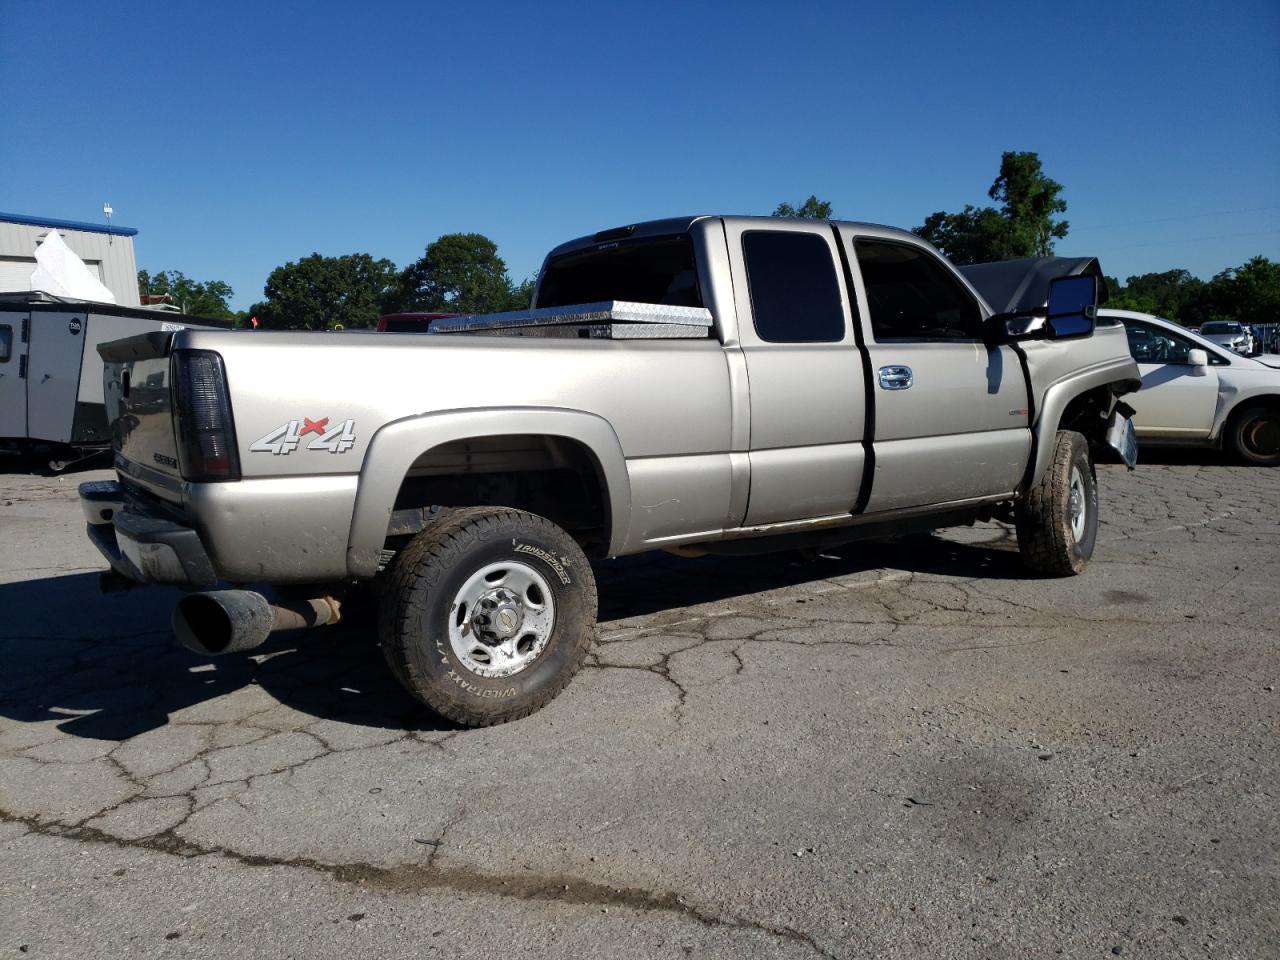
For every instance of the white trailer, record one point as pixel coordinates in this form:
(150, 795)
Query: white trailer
(51, 375)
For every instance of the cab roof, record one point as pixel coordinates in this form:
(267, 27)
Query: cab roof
(673, 226)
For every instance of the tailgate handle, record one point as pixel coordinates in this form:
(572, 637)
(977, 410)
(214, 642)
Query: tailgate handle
(896, 378)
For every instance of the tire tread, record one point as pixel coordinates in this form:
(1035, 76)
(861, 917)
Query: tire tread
(1044, 538)
(417, 569)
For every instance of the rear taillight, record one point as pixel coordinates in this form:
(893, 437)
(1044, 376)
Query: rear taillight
(206, 433)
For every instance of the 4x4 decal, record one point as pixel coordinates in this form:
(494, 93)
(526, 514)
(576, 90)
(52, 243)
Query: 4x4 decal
(285, 439)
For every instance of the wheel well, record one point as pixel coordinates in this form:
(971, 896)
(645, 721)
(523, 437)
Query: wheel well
(1269, 401)
(1088, 414)
(553, 477)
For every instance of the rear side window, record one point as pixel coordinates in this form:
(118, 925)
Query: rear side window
(795, 297)
(660, 270)
(912, 296)
(6, 342)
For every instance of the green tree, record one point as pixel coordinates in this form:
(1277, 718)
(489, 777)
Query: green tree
(325, 293)
(1028, 201)
(521, 295)
(207, 299)
(1249, 293)
(811, 209)
(1167, 294)
(458, 273)
(1024, 225)
(974, 235)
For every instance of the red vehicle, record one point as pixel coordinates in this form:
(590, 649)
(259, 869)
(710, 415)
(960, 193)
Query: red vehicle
(408, 322)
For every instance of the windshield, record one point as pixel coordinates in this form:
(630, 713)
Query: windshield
(1219, 326)
(658, 270)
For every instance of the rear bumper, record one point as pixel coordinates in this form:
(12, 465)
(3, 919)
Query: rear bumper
(140, 542)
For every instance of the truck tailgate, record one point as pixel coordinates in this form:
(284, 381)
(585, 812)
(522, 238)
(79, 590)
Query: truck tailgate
(139, 400)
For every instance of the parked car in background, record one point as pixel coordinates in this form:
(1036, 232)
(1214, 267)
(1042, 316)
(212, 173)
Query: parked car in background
(1196, 392)
(1232, 335)
(1255, 339)
(409, 322)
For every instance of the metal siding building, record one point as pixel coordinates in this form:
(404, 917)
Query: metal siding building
(106, 251)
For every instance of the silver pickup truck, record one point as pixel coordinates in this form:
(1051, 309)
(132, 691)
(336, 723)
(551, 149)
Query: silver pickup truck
(732, 384)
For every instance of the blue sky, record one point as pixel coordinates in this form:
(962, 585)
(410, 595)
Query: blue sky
(238, 136)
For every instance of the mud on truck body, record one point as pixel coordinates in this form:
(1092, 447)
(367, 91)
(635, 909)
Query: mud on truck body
(718, 384)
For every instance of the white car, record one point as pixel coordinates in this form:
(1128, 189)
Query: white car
(1230, 334)
(1197, 393)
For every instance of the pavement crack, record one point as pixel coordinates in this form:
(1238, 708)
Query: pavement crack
(998, 646)
(409, 879)
(438, 845)
(436, 743)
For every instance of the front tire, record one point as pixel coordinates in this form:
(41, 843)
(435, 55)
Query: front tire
(1254, 435)
(1057, 521)
(488, 614)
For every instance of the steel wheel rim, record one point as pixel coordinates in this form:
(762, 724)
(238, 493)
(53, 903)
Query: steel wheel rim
(1078, 503)
(501, 619)
(1261, 436)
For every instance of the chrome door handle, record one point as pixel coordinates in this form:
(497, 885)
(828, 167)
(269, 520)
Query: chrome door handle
(896, 378)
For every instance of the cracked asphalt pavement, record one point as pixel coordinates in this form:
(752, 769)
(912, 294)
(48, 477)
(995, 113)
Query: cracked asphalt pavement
(906, 749)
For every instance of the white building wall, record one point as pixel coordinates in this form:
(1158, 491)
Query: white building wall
(111, 256)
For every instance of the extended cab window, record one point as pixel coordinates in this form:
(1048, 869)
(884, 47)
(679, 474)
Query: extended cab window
(795, 297)
(658, 270)
(912, 296)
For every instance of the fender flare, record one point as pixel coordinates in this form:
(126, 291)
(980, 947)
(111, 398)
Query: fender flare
(398, 444)
(1056, 399)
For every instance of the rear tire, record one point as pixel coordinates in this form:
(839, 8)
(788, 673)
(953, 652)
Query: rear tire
(487, 614)
(1057, 521)
(1254, 435)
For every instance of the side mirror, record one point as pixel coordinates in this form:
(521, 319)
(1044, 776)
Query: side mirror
(1197, 358)
(1073, 307)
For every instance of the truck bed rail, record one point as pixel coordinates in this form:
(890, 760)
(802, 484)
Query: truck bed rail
(607, 320)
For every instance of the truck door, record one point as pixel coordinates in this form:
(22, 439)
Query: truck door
(952, 417)
(13, 374)
(53, 373)
(808, 403)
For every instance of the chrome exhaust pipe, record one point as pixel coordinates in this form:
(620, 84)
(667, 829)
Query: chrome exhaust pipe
(233, 621)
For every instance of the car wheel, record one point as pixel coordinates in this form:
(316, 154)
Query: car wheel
(1057, 521)
(1254, 435)
(488, 614)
